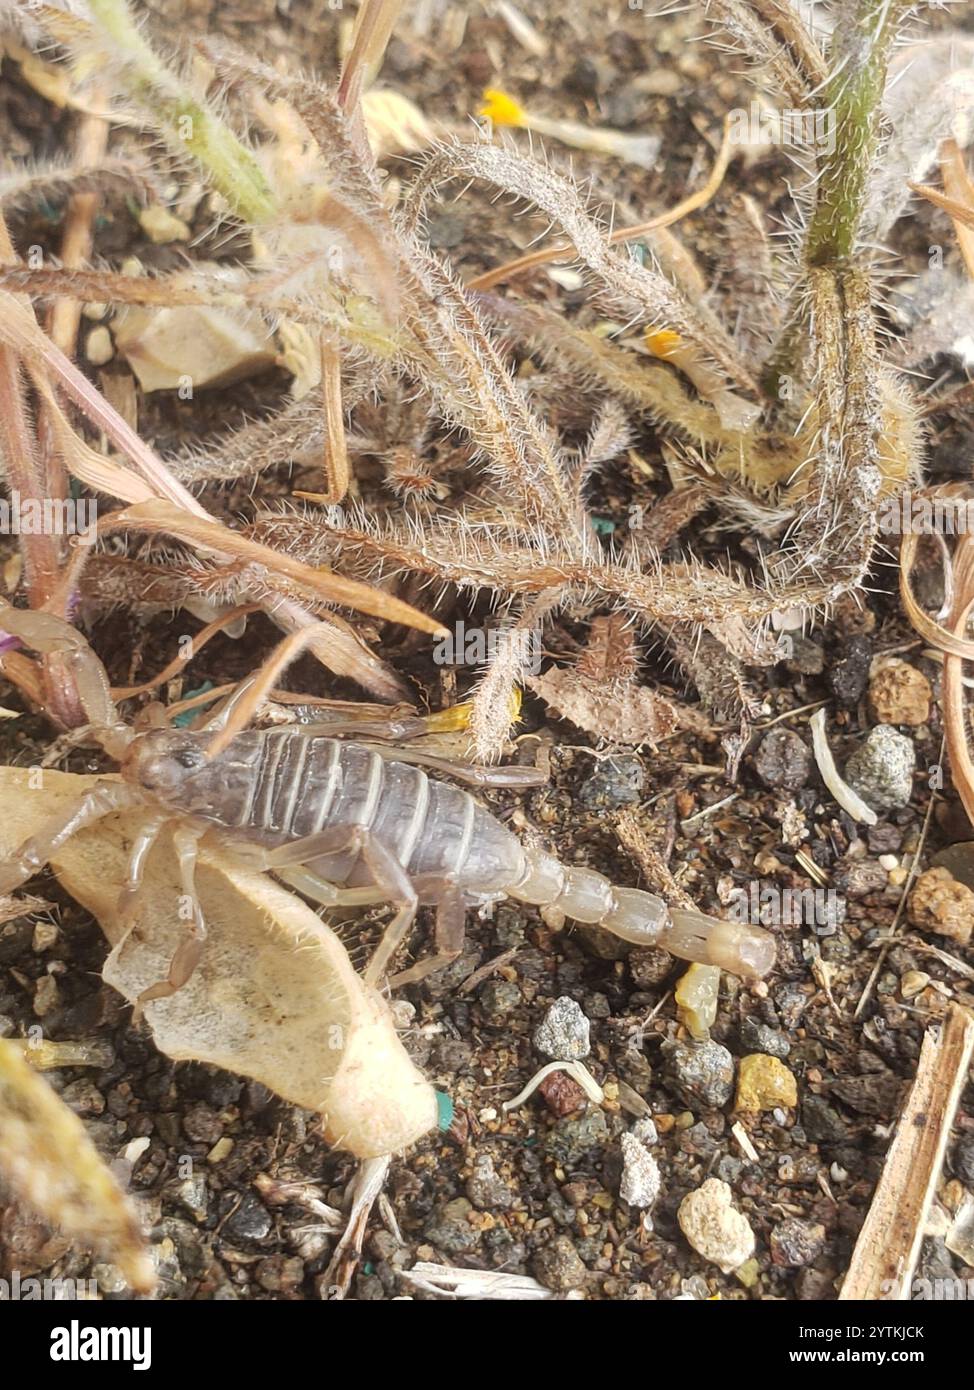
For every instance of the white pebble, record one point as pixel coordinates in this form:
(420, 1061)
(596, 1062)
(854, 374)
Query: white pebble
(889, 862)
(640, 1174)
(564, 1032)
(714, 1228)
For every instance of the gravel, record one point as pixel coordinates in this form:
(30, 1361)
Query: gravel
(783, 760)
(700, 1073)
(563, 1034)
(881, 771)
(640, 1184)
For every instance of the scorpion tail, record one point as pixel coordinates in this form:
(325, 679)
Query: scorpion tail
(643, 918)
(734, 946)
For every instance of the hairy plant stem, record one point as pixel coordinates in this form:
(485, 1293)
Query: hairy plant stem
(854, 92)
(186, 121)
(860, 54)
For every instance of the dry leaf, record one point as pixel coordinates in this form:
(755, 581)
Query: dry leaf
(275, 996)
(619, 712)
(48, 1162)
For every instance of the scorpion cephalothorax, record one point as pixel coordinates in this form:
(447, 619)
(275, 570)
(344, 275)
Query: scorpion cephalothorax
(344, 822)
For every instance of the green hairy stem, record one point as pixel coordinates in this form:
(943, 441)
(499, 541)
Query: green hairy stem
(185, 120)
(854, 92)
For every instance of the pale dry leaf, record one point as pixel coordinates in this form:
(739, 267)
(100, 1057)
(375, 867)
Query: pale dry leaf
(275, 996)
(48, 1162)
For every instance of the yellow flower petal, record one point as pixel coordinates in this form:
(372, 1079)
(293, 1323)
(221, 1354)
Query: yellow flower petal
(663, 343)
(502, 109)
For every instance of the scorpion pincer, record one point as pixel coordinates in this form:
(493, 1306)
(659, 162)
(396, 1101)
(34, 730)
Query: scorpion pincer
(348, 822)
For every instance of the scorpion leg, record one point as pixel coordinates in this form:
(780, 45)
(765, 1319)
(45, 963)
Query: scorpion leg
(390, 882)
(464, 772)
(186, 956)
(93, 805)
(311, 885)
(451, 912)
(391, 877)
(144, 839)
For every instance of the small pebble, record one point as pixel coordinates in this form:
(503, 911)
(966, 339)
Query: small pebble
(881, 770)
(849, 672)
(701, 1073)
(645, 1131)
(889, 862)
(46, 996)
(807, 657)
(783, 760)
(99, 347)
(900, 694)
(913, 983)
(485, 1188)
(764, 1082)
(884, 838)
(696, 999)
(640, 1184)
(45, 935)
(561, 1093)
(563, 1034)
(649, 966)
(615, 782)
(759, 1037)
(575, 1140)
(714, 1228)
(941, 905)
(962, 1160)
(795, 1243)
(250, 1221)
(559, 1266)
(450, 1230)
(822, 1122)
(499, 997)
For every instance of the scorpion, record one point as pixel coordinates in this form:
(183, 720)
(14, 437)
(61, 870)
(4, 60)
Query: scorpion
(342, 822)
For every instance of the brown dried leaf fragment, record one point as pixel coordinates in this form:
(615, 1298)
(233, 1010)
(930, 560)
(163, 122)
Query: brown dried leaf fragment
(618, 711)
(48, 1162)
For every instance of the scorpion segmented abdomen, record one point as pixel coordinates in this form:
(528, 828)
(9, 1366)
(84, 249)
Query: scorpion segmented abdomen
(460, 839)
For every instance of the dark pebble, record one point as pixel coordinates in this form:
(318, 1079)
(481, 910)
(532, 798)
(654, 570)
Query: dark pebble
(649, 965)
(251, 1220)
(573, 1140)
(202, 1124)
(700, 1073)
(807, 657)
(615, 782)
(859, 877)
(783, 760)
(962, 1160)
(499, 997)
(758, 1037)
(877, 1095)
(450, 1231)
(795, 1243)
(559, 1267)
(849, 673)
(884, 838)
(822, 1122)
